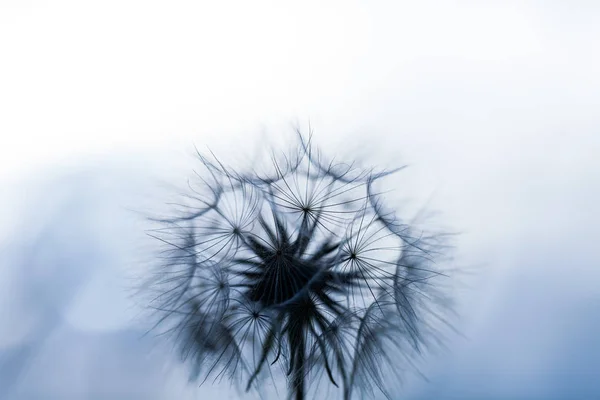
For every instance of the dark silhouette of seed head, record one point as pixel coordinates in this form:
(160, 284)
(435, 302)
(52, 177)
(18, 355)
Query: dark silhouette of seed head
(305, 269)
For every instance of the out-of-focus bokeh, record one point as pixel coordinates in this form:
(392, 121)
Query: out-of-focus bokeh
(494, 105)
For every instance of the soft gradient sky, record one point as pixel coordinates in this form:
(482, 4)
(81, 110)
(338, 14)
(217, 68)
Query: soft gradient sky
(493, 104)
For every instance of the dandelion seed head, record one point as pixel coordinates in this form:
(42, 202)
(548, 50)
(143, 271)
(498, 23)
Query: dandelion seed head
(302, 268)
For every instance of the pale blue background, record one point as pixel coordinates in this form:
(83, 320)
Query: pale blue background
(494, 106)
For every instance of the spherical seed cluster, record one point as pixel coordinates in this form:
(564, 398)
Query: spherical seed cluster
(304, 269)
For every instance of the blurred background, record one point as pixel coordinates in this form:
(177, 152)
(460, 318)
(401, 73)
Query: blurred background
(494, 105)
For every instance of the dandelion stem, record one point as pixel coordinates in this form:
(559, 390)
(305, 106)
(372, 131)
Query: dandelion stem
(299, 372)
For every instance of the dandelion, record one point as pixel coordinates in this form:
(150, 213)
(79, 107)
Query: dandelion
(302, 271)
